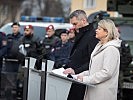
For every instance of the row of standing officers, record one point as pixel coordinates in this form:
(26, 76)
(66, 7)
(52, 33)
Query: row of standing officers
(16, 46)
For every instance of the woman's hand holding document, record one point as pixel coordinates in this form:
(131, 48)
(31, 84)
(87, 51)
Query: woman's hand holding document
(77, 77)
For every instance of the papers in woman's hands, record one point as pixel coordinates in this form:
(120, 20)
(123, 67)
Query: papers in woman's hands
(60, 72)
(73, 77)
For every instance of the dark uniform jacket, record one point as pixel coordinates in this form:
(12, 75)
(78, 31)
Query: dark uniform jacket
(33, 49)
(85, 42)
(3, 47)
(31, 45)
(13, 45)
(60, 54)
(3, 44)
(49, 43)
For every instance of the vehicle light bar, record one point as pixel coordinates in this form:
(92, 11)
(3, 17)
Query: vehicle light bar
(42, 19)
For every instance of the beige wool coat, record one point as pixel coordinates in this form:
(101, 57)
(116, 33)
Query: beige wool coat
(104, 72)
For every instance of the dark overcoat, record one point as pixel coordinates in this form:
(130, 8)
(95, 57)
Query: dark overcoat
(85, 42)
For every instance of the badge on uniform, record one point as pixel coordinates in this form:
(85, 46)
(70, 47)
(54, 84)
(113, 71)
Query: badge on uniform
(27, 45)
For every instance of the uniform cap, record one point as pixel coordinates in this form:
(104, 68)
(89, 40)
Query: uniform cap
(49, 27)
(28, 27)
(15, 23)
(64, 31)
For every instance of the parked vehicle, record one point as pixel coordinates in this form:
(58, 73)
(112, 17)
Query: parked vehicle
(39, 26)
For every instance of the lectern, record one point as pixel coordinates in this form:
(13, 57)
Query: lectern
(32, 80)
(44, 84)
(58, 86)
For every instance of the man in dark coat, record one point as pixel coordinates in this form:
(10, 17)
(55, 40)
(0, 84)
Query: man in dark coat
(85, 42)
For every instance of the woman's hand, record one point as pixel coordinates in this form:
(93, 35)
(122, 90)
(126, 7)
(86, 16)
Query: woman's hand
(80, 78)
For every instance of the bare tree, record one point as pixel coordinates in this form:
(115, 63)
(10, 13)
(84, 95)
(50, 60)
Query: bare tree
(9, 10)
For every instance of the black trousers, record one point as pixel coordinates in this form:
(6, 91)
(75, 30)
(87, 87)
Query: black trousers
(77, 92)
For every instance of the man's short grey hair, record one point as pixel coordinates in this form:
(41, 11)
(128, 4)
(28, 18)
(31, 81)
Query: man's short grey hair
(79, 14)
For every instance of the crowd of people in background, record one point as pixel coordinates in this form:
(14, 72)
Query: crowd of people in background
(16, 46)
(81, 50)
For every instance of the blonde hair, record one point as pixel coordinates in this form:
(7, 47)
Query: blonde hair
(109, 26)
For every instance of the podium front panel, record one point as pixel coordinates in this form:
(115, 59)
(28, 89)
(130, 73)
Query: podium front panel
(57, 88)
(34, 85)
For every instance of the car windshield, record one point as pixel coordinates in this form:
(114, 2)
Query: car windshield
(38, 31)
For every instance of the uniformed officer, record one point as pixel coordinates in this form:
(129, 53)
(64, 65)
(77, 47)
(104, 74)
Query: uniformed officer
(29, 47)
(12, 60)
(30, 44)
(50, 40)
(3, 49)
(72, 34)
(13, 55)
(61, 51)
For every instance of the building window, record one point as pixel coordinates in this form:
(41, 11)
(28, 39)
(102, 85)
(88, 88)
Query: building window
(89, 3)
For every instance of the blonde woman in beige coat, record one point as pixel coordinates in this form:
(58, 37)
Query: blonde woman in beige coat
(104, 64)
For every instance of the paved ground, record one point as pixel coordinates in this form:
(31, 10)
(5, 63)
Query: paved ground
(8, 87)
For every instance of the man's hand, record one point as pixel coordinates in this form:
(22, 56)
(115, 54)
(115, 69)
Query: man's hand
(69, 71)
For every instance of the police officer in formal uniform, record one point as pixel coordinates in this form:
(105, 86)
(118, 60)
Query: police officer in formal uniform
(29, 47)
(50, 40)
(30, 44)
(3, 49)
(60, 53)
(12, 60)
